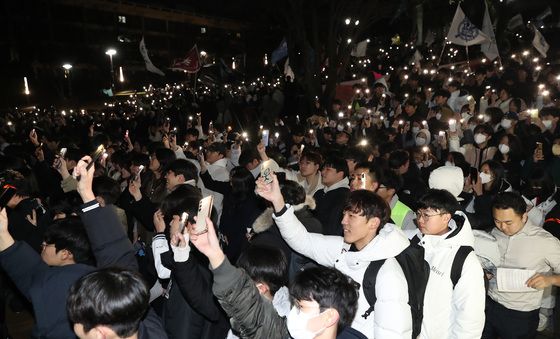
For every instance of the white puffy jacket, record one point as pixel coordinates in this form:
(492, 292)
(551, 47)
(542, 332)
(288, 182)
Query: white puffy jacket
(452, 313)
(391, 317)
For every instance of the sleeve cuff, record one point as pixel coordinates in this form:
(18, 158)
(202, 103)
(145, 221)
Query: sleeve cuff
(88, 206)
(282, 211)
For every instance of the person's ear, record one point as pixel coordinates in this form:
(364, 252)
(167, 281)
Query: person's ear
(263, 288)
(181, 177)
(374, 223)
(392, 191)
(446, 217)
(66, 255)
(330, 317)
(525, 217)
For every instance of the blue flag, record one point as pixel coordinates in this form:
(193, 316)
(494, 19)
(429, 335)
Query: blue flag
(280, 53)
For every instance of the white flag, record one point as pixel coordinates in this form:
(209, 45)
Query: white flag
(149, 65)
(514, 22)
(489, 48)
(463, 32)
(360, 49)
(540, 43)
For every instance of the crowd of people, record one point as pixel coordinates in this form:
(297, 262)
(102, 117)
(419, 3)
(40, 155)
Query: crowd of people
(424, 207)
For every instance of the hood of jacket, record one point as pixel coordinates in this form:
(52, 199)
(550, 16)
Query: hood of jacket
(342, 183)
(387, 244)
(264, 221)
(460, 234)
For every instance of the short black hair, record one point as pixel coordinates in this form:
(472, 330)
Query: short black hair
(192, 131)
(265, 264)
(330, 288)
(484, 128)
(369, 205)
(312, 156)
(440, 200)
(218, 147)
(338, 164)
(112, 297)
(513, 200)
(183, 167)
(293, 193)
(107, 188)
(184, 198)
(398, 158)
(374, 171)
(546, 111)
(69, 234)
(248, 155)
(164, 156)
(356, 154)
(390, 179)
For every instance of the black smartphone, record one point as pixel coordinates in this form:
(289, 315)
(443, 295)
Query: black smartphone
(474, 175)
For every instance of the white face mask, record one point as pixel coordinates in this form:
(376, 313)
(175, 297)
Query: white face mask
(486, 118)
(415, 130)
(298, 323)
(438, 116)
(504, 149)
(547, 124)
(484, 178)
(479, 138)
(449, 163)
(506, 123)
(420, 141)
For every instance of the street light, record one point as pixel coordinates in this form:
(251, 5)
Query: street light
(67, 67)
(110, 52)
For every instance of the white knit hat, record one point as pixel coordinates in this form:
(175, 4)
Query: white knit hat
(449, 178)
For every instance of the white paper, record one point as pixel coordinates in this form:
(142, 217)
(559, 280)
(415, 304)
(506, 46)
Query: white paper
(514, 280)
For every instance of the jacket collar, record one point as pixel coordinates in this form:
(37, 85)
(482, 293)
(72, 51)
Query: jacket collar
(344, 183)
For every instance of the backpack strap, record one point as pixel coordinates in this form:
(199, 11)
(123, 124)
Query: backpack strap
(458, 262)
(368, 285)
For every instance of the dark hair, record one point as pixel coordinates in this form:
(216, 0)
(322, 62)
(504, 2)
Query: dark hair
(356, 154)
(183, 167)
(512, 200)
(368, 204)
(112, 297)
(293, 193)
(495, 113)
(217, 147)
(164, 156)
(107, 188)
(192, 131)
(539, 184)
(140, 159)
(248, 155)
(265, 264)
(184, 198)
(242, 183)
(546, 111)
(390, 179)
(330, 288)
(499, 174)
(69, 234)
(16, 179)
(374, 171)
(440, 200)
(312, 156)
(484, 128)
(338, 164)
(398, 158)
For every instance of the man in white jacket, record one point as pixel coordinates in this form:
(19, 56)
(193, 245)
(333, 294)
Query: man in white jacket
(449, 311)
(367, 237)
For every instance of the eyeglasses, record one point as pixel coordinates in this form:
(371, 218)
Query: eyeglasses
(422, 215)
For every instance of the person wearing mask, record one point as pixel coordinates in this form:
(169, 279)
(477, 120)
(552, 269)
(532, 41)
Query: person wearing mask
(490, 182)
(481, 151)
(510, 156)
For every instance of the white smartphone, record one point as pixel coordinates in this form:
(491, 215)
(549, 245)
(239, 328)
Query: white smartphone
(364, 178)
(140, 169)
(265, 136)
(204, 210)
(183, 222)
(62, 152)
(266, 172)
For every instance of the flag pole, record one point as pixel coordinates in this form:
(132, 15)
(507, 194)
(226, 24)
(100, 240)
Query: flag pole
(442, 50)
(468, 60)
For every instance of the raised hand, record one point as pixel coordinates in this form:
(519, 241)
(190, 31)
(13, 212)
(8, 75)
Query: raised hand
(32, 218)
(85, 176)
(159, 223)
(271, 192)
(134, 188)
(208, 244)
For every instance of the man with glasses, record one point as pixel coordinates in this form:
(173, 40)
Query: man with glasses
(452, 309)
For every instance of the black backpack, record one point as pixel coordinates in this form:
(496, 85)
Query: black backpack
(416, 271)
